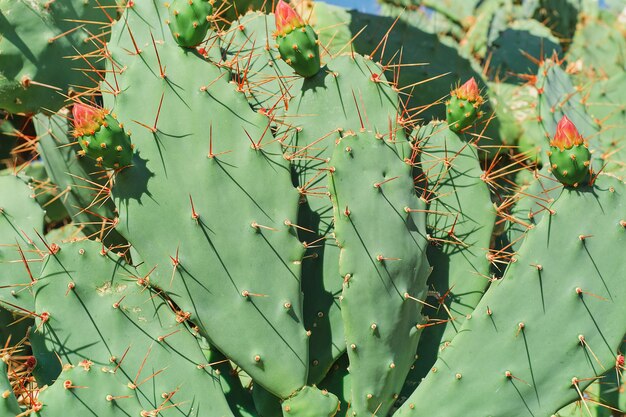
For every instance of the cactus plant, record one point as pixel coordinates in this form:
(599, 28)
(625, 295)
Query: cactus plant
(42, 42)
(275, 215)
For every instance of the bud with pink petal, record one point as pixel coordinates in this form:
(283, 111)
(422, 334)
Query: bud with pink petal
(566, 135)
(569, 157)
(297, 42)
(101, 136)
(287, 19)
(87, 119)
(463, 108)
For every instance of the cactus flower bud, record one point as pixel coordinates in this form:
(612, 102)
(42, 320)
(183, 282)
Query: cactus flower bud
(566, 135)
(569, 157)
(297, 41)
(189, 21)
(87, 119)
(287, 19)
(469, 91)
(101, 136)
(463, 108)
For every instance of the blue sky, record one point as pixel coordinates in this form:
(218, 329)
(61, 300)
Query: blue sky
(361, 5)
(371, 6)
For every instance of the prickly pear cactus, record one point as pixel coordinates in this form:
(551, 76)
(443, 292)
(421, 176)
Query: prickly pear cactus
(571, 275)
(49, 50)
(385, 265)
(8, 402)
(228, 150)
(80, 284)
(21, 225)
(460, 220)
(209, 209)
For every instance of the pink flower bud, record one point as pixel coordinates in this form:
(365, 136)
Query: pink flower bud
(287, 19)
(469, 91)
(87, 119)
(566, 135)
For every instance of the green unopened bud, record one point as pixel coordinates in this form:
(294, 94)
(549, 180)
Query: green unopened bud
(569, 157)
(463, 108)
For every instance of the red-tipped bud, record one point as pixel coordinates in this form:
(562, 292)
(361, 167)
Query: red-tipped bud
(87, 119)
(469, 91)
(566, 135)
(31, 362)
(620, 361)
(287, 19)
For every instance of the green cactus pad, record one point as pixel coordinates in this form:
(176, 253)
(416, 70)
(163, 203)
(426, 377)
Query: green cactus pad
(570, 166)
(519, 48)
(311, 402)
(380, 228)
(226, 250)
(347, 96)
(21, 219)
(529, 358)
(47, 193)
(606, 104)
(422, 87)
(109, 145)
(91, 300)
(252, 55)
(531, 202)
(266, 404)
(460, 222)
(9, 126)
(68, 233)
(239, 398)
(514, 104)
(231, 10)
(555, 97)
(8, 403)
(94, 392)
(189, 21)
(598, 48)
(86, 193)
(459, 12)
(13, 327)
(300, 49)
(38, 41)
(339, 382)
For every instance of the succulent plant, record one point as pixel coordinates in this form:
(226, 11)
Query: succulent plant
(226, 213)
